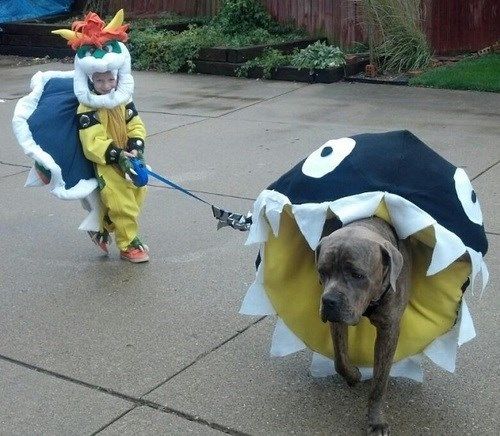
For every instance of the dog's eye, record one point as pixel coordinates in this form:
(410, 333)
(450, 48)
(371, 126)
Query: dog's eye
(321, 277)
(357, 275)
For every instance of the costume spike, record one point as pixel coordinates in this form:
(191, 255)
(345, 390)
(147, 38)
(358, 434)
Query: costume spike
(116, 22)
(66, 34)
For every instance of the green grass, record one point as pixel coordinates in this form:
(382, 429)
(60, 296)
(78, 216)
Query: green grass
(479, 74)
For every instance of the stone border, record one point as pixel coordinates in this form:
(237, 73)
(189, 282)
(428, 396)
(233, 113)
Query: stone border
(215, 62)
(242, 54)
(35, 40)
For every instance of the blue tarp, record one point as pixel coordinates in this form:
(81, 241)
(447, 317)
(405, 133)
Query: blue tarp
(17, 10)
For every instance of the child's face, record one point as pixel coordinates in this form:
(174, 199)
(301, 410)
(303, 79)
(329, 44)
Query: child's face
(104, 83)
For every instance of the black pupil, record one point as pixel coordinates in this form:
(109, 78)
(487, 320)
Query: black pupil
(326, 151)
(473, 196)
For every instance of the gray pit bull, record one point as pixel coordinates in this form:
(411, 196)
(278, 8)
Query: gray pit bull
(365, 271)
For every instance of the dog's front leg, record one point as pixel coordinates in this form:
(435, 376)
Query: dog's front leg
(385, 347)
(343, 365)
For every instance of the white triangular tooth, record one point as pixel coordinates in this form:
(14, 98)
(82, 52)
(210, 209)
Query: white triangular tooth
(259, 229)
(443, 350)
(275, 202)
(321, 366)
(33, 179)
(449, 247)
(274, 219)
(355, 207)
(284, 341)
(410, 368)
(266, 215)
(92, 204)
(256, 301)
(485, 276)
(466, 328)
(310, 218)
(406, 217)
(476, 260)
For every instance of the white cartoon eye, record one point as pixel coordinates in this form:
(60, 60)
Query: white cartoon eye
(108, 48)
(467, 196)
(328, 157)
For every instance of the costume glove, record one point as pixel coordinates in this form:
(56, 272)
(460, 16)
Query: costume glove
(124, 162)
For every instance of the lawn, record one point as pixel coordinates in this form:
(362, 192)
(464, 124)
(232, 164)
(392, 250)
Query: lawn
(475, 74)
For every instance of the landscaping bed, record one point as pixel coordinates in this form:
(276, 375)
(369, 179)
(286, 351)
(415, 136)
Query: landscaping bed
(286, 73)
(228, 60)
(34, 38)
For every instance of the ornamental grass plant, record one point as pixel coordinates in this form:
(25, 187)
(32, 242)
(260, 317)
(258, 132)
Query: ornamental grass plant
(396, 39)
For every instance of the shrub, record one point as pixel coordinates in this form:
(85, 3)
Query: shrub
(268, 61)
(169, 51)
(318, 56)
(241, 16)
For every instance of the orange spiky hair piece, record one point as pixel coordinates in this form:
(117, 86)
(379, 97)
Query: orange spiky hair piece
(93, 31)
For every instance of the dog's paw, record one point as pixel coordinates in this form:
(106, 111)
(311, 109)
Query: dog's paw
(352, 376)
(381, 429)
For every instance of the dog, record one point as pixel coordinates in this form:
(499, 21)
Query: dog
(364, 270)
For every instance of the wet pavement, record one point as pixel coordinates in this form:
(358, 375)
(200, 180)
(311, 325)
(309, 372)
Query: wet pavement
(91, 344)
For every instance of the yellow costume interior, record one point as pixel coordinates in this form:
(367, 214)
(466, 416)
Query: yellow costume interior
(291, 283)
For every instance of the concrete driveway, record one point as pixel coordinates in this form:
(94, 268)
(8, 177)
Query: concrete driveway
(90, 344)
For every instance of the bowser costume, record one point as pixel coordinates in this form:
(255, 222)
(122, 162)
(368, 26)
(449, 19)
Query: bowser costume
(79, 139)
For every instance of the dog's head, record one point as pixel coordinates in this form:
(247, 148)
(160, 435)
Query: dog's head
(355, 267)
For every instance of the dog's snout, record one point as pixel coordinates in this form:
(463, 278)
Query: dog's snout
(333, 305)
(332, 301)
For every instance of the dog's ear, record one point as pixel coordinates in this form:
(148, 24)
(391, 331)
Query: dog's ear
(394, 259)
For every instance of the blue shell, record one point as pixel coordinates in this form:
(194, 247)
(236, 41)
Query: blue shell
(395, 162)
(53, 125)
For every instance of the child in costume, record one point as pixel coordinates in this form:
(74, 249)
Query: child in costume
(109, 128)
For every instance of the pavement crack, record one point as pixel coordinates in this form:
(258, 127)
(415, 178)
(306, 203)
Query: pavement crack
(177, 127)
(262, 101)
(13, 174)
(114, 420)
(486, 170)
(14, 165)
(203, 355)
(136, 401)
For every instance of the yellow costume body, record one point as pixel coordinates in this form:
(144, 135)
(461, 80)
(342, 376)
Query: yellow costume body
(121, 199)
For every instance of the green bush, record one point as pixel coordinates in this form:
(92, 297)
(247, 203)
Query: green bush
(241, 16)
(239, 23)
(169, 51)
(319, 55)
(268, 61)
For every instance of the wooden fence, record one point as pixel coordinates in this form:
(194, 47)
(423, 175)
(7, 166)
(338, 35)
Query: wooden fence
(461, 25)
(451, 25)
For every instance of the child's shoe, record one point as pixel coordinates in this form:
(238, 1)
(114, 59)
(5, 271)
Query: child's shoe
(136, 252)
(101, 239)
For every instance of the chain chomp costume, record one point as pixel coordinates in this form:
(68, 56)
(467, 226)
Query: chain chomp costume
(398, 178)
